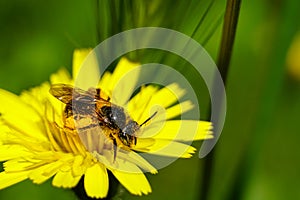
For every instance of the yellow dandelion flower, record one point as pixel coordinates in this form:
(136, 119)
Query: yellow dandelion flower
(41, 138)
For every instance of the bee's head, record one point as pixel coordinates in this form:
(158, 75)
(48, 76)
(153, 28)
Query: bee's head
(130, 128)
(127, 135)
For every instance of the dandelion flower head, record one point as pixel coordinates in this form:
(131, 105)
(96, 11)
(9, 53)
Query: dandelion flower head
(37, 143)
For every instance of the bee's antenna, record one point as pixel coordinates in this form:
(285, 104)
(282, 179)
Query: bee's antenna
(148, 119)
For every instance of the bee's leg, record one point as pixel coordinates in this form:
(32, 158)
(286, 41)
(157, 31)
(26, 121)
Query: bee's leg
(115, 149)
(135, 139)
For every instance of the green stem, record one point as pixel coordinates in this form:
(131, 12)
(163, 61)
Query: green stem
(98, 32)
(228, 36)
(223, 63)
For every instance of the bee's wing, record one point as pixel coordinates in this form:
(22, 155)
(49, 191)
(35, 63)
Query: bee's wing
(66, 93)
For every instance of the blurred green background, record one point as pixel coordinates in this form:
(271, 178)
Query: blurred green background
(257, 156)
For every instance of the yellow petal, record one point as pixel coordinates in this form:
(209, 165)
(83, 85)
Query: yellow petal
(29, 129)
(16, 165)
(20, 116)
(105, 83)
(78, 166)
(167, 95)
(8, 179)
(79, 56)
(62, 76)
(86, 71)
(182, 130)
(12, 104)
(144, 143)
(135, 183)
(123, 81)
(65, 179)
(179, 109)
(96, 181)
(141, 162)
(125, 160)
(40, 99)
(166, 148)
(43, 173)
(163, 98)
(137, 105)
(8, 152)
(36, 96)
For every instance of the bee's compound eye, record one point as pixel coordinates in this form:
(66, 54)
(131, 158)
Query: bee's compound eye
(130, 128)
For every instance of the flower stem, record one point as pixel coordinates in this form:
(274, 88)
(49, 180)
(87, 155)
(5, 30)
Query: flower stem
(228, 36)
(223, 62)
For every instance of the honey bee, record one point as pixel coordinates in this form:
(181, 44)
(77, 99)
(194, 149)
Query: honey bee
(87, 109)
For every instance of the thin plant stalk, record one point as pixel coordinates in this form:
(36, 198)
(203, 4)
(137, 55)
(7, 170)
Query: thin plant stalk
(223, 63)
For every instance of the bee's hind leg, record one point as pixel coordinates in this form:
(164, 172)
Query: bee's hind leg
(115, 148)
